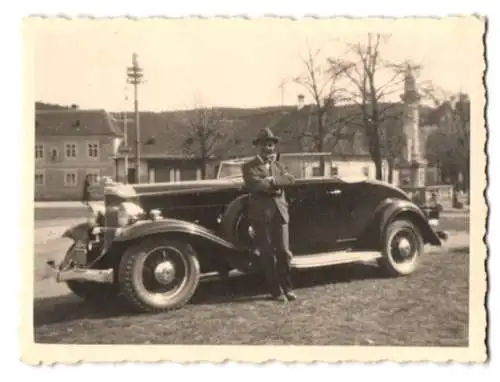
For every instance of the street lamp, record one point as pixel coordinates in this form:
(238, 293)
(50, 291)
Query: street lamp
(134, 77)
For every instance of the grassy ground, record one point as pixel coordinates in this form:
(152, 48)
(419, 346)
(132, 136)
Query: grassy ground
(345, 305)
(342, 305)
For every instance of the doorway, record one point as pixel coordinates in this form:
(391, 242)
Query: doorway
(131, 175)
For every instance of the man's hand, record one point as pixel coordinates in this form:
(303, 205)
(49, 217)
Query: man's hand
(270, 179)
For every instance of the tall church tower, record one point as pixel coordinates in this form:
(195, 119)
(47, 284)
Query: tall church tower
(415, 167)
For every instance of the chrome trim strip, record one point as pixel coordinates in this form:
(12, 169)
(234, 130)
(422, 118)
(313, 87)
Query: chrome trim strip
(332, 258)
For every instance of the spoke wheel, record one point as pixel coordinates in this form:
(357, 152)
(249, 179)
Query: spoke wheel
(403, 247)
(159, 274)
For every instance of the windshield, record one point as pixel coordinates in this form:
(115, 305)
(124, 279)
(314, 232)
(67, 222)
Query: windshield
(230, 170)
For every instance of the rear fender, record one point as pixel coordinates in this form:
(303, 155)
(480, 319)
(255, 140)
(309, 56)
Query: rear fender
(393, 209)
(228, 224)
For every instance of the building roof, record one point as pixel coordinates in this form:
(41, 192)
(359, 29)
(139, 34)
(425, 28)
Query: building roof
(163, 134)
(74, 122)
(349, 139)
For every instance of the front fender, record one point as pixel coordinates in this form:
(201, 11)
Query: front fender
(147, 228)
(79, 232)
(392, 209)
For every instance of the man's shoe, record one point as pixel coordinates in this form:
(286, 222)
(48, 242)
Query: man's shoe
(280, 298)
(291, 296)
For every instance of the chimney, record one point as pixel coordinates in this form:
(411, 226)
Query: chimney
(300, 101)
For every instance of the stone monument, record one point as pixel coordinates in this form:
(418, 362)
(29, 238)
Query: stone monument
(413, 170)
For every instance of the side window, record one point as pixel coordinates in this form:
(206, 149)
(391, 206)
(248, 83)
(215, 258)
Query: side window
(70, 150)
(39, 178)
(93, 149)
(39, 151)
(54, 155)
(94, 176)
(70, 178)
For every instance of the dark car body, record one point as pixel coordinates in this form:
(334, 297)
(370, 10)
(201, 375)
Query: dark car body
(331, 221)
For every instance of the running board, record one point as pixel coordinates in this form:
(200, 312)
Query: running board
(332, 258)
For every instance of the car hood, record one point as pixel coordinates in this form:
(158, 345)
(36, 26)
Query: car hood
(127, 191)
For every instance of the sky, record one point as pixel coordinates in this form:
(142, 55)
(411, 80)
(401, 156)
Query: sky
(229, 62)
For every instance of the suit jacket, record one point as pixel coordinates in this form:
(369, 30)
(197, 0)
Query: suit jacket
(267, 198)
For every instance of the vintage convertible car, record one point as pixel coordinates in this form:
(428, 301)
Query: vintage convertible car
(152, 243)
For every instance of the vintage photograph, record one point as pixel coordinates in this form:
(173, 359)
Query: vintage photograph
(270, 189)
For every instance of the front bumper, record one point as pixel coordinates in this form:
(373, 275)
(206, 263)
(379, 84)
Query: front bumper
(434, 223)
(73, 267)
(442, 235)
(103, 276)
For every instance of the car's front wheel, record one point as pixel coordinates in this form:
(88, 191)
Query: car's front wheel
(402, 248)
(92, 292)
(159, 274)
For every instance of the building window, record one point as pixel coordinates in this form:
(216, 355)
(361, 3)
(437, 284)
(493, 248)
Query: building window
(39, 178)
(70, 178)
(366, 171)
(70, 149)
(94, 176)
(38, 151)
(54, 155)
(175, 175)
(93, 149)
(334, 171)
(316, 171)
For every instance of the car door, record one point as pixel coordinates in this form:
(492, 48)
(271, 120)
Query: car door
(313, 209)
(348, 202)
(337, 203)
(355, 212)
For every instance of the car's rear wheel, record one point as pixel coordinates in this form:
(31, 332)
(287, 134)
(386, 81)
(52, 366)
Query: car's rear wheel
(159, 274)
(402, 248)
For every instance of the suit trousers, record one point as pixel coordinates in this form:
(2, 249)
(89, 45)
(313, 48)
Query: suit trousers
(272, 239)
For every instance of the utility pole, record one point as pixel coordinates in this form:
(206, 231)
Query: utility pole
(134, 77)
(126, 150)
(125, 143)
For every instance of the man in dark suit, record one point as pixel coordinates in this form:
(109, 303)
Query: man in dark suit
(268, 214)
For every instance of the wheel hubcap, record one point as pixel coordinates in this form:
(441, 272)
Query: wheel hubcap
(160, 275)
(404, 247)
(165, 272)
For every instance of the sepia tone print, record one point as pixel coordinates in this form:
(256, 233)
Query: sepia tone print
(254, 190)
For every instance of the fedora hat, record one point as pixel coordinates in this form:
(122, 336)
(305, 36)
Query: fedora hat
(265, 135)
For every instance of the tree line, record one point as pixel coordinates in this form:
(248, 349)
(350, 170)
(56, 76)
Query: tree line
(364, 78)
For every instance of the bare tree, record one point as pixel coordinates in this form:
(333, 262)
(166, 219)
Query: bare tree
(393, 142)
(205, 131)
(371, 93)
(448, 146)
(322, 83)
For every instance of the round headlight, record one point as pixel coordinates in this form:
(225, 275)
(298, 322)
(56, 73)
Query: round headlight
(93, 214)
(128, 213)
